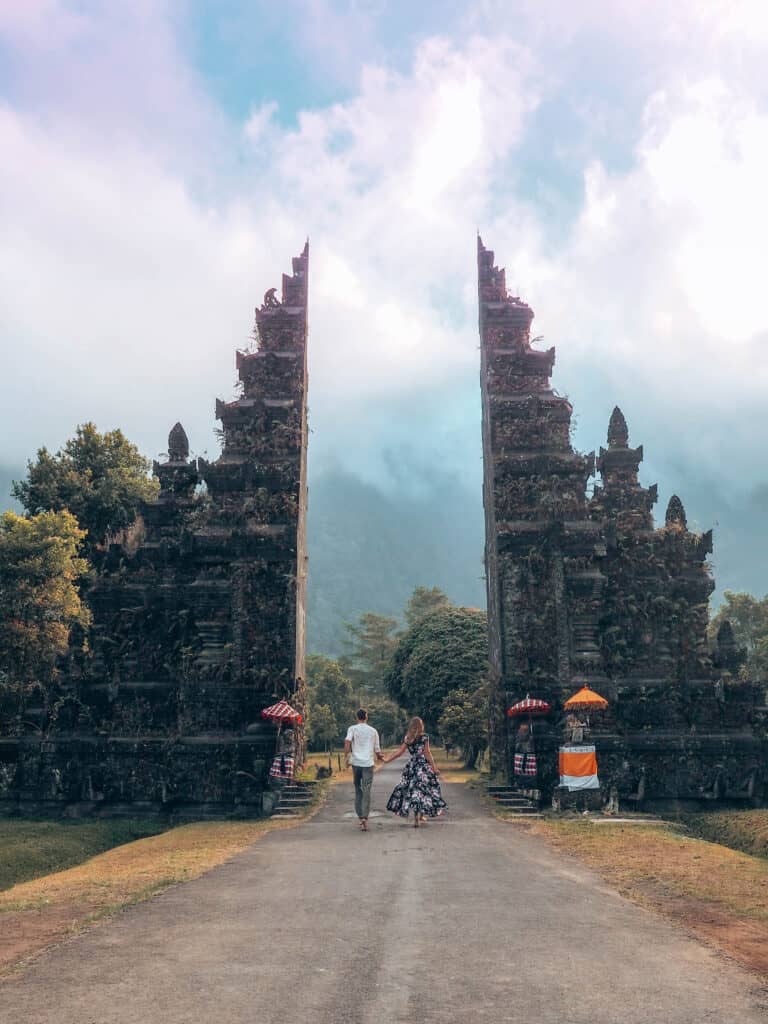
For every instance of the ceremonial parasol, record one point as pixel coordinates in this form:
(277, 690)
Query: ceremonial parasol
(529, 706)
(586, 700)
(525, 763)
(281, 713)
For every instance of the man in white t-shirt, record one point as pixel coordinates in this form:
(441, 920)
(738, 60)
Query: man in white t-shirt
(362, 747)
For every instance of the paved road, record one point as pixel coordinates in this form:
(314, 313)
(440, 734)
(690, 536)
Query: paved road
(466, 919)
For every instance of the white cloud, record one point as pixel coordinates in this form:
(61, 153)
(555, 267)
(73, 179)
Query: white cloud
(259, 121)
(119, 280)
(130, 263)
(659, 288)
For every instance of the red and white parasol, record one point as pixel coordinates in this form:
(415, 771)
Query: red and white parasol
(529, 706)
(281, 713)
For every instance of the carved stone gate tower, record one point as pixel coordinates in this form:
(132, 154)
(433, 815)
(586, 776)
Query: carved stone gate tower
(199, 623)
(583, 590)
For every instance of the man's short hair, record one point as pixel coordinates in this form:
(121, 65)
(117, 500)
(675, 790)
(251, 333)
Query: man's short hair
(362, 714)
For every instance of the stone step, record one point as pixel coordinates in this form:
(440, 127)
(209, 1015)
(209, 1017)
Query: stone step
(504, 789)
(513, 802)
(294, 799)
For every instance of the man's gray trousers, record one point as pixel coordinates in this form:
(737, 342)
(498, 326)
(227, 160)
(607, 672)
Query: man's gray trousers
(363, 778)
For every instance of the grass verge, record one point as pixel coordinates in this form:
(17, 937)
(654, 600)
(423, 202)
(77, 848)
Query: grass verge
(453, 769)
(38, 912)
(333, 762)
(745, 830)
(31, 848)
(718, 893)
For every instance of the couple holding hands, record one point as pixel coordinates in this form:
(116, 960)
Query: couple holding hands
(418, 789)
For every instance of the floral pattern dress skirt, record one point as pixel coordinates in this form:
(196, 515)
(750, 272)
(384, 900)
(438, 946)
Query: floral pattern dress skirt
(418, 789)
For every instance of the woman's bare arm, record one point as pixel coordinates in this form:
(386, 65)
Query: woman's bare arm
(428, 755)
(392, 757)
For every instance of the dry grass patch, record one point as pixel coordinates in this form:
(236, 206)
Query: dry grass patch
(451, 769)
(33, 914)
(321, 760)
(716, 892)
(30, 848)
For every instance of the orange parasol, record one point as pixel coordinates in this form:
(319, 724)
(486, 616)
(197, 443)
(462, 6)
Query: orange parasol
(586, 700)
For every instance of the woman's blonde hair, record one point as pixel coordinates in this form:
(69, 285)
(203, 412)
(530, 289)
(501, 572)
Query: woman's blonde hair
(415, 729)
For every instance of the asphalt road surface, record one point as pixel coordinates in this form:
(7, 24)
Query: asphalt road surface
(467, 919)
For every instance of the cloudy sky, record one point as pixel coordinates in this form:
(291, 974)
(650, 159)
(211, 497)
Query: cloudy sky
(162, 160)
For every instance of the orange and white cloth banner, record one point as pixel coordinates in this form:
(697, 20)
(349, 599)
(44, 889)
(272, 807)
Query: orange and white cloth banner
(578, 768)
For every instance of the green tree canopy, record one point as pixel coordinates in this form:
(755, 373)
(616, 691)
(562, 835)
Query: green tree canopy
(423, 601)
(322, 727)
(331, 702)
(389, 718)
(372, 641)
(100, 478)
(39, 598)
(464, 722)
(447, 650)
(748, 616)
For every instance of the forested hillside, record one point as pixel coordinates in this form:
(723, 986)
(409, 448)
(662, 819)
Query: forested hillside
(7, 476)
(369, 549)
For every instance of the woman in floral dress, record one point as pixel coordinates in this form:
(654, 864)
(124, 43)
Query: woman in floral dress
(419, 788)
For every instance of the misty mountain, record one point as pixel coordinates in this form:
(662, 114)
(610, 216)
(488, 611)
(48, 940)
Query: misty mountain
(369, 547)
(7, 475)
(740, 529)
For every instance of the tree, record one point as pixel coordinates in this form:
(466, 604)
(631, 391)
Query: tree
(39, 599)
(748, 616)
(464, 722)
(100, 478)
(447, 650)
(322, 727)
(372, 642)
(423, 601)
(330, 699)
(389, 718)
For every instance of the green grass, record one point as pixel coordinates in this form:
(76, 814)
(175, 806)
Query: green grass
(745, 830)
(32, 848)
